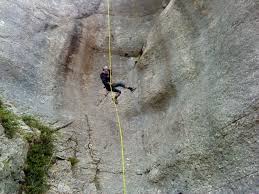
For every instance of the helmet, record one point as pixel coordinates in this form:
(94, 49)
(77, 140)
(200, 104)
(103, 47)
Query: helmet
(105, 68)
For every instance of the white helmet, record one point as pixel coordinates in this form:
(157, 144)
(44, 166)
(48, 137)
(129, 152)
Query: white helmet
(105, 67)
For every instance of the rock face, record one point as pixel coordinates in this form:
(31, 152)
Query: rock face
(191, 124)
(201, 90)
(12, 158)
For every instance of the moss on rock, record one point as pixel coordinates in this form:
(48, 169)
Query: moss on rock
(8, 120)
(39, 157)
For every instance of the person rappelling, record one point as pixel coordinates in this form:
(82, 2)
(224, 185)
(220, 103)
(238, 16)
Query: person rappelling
(105, 77)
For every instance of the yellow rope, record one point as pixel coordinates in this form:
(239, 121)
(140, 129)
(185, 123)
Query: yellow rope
(116, 108)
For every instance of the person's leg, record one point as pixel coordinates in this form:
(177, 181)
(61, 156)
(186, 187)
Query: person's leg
(131, 89)
(121, 84)
(118, 92)
(118, 84)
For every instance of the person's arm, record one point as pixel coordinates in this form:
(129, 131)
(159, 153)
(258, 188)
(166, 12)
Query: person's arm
(106, 94)
(103, 78)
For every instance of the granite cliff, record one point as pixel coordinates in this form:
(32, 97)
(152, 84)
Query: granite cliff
(190, 127)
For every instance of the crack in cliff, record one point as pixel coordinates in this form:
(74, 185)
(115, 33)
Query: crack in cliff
(110, 172)
(75, 148)
(96, 180)
(145, 172)
(72, 148)
(96, 160)
(238, 120)
(64, 126)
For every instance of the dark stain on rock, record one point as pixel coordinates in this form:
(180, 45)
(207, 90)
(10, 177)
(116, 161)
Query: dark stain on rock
(47, 27)
(73, 46)
(65, 59)
(50, 27)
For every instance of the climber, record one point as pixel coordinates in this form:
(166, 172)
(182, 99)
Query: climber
(105, 77)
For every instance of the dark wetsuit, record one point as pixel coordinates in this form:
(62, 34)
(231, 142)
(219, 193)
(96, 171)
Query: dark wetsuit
(105, 77)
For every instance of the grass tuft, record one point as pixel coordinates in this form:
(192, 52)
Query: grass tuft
(8, 120)
(73, 161)
(39, 157)
(40, 153)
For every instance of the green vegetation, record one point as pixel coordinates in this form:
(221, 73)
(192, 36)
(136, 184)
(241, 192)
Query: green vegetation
(73, 161)
(39, 157)
(8, 121)
(41, 148)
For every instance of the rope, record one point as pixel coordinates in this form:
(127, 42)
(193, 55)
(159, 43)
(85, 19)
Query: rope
(115, 105)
